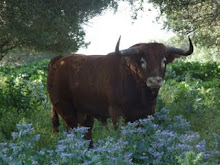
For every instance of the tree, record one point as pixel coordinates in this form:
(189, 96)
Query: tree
(46, 25)
(198, 17)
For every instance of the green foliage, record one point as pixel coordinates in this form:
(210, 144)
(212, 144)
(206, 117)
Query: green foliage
(22, 94)
(204, 72)
(193, 90)
(191, 158)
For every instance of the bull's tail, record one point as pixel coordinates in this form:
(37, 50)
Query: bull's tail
(51, 76)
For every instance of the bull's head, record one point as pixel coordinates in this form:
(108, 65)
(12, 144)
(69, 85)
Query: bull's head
(149, 60)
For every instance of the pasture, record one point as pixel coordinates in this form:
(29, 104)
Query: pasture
(184, 130)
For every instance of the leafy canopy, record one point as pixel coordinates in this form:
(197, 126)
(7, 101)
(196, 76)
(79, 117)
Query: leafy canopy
(199, 17)
(46, 25)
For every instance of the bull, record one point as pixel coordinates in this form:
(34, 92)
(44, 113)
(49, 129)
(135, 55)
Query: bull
(124, 84)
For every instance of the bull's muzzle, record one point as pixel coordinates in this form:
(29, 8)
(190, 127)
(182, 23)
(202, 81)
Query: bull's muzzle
(154, 82)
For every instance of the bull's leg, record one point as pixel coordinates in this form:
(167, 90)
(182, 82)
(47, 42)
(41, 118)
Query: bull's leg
(70, 121)
(68, 113)
(55, 120)
(88, 122)
(115, 114)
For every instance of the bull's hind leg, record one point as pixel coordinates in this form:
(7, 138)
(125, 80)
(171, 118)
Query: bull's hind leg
(69, 116)
(68, 113)
(55, 120)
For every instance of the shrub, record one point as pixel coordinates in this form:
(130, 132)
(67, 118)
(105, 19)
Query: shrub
(195, 70)
(198, 104)
(20, 97)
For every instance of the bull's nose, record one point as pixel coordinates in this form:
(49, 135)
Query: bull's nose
(154, 82)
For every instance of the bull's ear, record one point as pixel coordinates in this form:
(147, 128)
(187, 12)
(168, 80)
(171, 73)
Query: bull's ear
(173, 53)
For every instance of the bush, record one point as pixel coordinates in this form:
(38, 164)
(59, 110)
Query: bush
(194, 70)
(198, 103)
(22, 94)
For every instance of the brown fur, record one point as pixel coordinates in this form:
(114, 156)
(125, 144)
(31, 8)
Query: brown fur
(82, 88)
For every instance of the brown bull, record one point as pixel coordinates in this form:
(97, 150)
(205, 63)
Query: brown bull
(121, 84)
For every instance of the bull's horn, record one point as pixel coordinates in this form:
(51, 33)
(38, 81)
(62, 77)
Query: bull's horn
(181, 52)
(130, 51)
(117, 51)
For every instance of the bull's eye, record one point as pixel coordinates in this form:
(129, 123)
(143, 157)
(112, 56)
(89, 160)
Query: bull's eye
(163, 62)
(143, 63)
